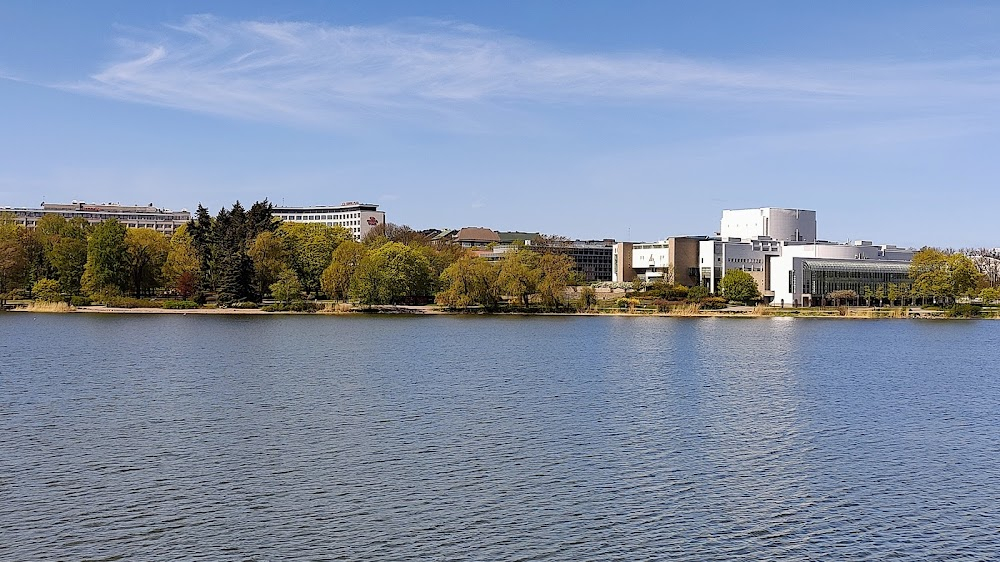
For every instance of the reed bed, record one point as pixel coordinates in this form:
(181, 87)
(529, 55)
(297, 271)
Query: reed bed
(40, 306)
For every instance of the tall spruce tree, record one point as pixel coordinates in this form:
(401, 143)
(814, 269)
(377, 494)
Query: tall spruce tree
(223, 243)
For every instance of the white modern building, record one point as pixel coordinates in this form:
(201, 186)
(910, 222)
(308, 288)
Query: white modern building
(357, 218)
(783, 225)
(716, 257)
(805, 273)
(779, 249)
(160, 220)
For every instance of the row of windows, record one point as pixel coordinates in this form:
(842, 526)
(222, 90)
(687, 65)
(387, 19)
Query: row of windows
(339, 216)
(105, 216)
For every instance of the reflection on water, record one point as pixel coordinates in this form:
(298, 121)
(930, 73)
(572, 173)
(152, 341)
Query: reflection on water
(166, 437)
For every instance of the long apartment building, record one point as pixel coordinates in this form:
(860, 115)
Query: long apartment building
(357, 218)
(160, 220)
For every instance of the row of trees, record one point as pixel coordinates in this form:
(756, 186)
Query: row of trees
(80, 258)
(522, 274)
(245, 255)
(943, 277)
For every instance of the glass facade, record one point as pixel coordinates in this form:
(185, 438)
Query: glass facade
(822, 277)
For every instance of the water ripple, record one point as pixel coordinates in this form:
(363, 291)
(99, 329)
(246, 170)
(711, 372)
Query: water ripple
(534, 439)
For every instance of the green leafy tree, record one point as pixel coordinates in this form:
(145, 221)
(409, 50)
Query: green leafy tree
(389, 232)
(269, 255)
(556, 271)
(470, 281)
(440, 256)
(519, 274)
(46, 290)
(391, 274)
(336, 278)
(941, 276)
(989, 295)
(147, 253)
(182, 267)
(106, 272)
(311, 246)
(13, 258)
(893, 293)
(696, 293)
(68, 253)
(586, 299)
(740, 286)
(287, 288)
(869, 293)
(964, 276)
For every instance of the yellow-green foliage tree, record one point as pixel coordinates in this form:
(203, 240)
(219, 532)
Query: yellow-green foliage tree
(336, 278)
(147, 251)
(13, 258)
(287, 288)
(46, 290)
(391, 274)
(269, 254)
(182, 267)
(941, 276)
(470, 281)
(519, 274)
(311, 247)
(555, 272)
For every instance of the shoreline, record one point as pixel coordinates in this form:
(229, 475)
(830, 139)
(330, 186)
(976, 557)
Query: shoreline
(862, 313)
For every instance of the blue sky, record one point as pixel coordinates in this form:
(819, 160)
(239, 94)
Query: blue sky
(626, 120)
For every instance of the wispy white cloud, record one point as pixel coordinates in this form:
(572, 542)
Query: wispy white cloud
(330, 76)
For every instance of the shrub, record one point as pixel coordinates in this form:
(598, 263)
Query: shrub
(296, 306)
(46, 290)
(965, 311)
(714, 303)
(128, 302)
(697, 293)
(587, 299)
(77, 300)
(179, 305)
(662, 305)
(246, 305)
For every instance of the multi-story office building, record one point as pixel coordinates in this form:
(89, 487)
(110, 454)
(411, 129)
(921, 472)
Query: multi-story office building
(357, 218)
(160, 220)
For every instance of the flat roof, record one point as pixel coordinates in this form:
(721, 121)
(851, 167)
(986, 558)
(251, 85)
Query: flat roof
(324, 208)
(891, 266)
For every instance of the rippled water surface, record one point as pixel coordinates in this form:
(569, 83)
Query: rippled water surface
(447, 438)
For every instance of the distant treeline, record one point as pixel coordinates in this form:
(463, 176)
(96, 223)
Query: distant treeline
(247, 255)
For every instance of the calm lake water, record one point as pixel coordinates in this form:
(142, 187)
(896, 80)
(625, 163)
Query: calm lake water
(448, 438)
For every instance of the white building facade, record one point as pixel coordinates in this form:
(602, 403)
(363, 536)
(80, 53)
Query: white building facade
(358, 218)
(779, 249)
(784, 225)
(160, 220)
